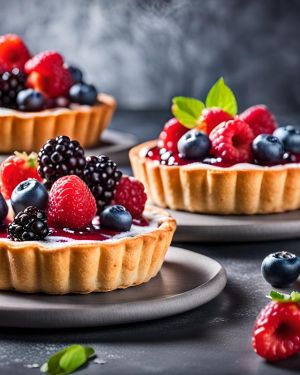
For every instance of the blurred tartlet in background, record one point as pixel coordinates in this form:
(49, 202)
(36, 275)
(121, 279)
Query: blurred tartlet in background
(42, 97)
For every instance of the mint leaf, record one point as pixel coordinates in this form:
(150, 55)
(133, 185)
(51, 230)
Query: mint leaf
(295, 297)
(67, 360)
(221, 96)
(279, 297)
(187, 110)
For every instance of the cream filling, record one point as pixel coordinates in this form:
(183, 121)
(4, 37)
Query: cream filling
(58, 110)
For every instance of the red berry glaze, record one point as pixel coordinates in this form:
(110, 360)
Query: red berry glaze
(71, 204)
(260, 119)
(172, 132)
(48, 75)
(131, 194)
(13, 52)
(15, 169)
(211, 117)
(231, 141)
(276, 333)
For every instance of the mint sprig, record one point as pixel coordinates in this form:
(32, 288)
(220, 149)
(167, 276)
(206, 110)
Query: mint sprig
(283, 297)
(187, 110)
(221, 96)
(67, 360)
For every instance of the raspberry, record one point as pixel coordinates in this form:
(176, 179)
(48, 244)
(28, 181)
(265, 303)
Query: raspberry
(15, 169)
(276, 333)
(260, 119)
(171, 134)
(211, 117)
(231, 141)
(13, 52)
(130, 193)
(29, 225)
(48, 74)
(71, 204)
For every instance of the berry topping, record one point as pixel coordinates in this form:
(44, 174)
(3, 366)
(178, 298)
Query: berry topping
(76, 73)
(267, 149)
(281, 269)
(11, 83)
(13, 51)
(29, 225)
(30, 100)
(83, 93)
(60, 157)
(211, 117)
(15, 169)
(171, 134)
(48, 75)
(29, 193)
(276, 333)
(71, 204)
(116, 218)
(130, 193)
(260, 119)
(3, 209)
(194, 145)
(102, 177)
(231, 141)
(290, 138)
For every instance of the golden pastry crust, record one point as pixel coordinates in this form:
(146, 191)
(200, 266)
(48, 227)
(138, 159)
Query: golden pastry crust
(28, 131)
(31, 267)
(204, 189)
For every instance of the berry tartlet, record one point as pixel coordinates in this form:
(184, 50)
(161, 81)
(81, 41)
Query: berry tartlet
(210, 160)
(79, 227)
(42, 97)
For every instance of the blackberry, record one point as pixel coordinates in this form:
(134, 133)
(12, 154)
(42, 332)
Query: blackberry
(11, 83)
(60, 157)
(29, 225)
(102, 177)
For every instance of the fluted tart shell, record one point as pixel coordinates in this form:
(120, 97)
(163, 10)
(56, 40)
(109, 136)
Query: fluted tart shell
(28, 131)
(241, 189)
(101, 266)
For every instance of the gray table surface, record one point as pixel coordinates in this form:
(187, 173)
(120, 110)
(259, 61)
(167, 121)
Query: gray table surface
(213, 339)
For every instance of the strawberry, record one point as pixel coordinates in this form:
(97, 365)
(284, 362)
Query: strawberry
(15, 169)
(231, 141)
(276, 333)
(260, 119)
(211, 117)
(13, 52)
(71, 204)
(172, 132)
(48, 74)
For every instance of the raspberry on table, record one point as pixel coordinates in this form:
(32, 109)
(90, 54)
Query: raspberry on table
(71, 204)
(130, 193)
(260, 119)
(232, 141)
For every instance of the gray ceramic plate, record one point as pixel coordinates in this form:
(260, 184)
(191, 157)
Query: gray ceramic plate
(196, 227)
(187, 280)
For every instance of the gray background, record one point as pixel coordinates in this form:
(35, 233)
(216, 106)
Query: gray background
(144, 51)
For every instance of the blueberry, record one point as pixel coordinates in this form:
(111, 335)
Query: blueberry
(290, 137)
(267, 149)
(83, 93)
(116, 218)
(281, 269)
(3, 208)
(76, 73)
(194, 145)
(29, 193)
(30, 100)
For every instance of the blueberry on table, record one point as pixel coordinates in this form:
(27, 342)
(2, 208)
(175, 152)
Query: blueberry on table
(194, 145)
(29, 193)
(83, 93)
(3, 208)
(290, 138)
(267, 149)
(116, 218)
(281, 269)
(30, 100)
